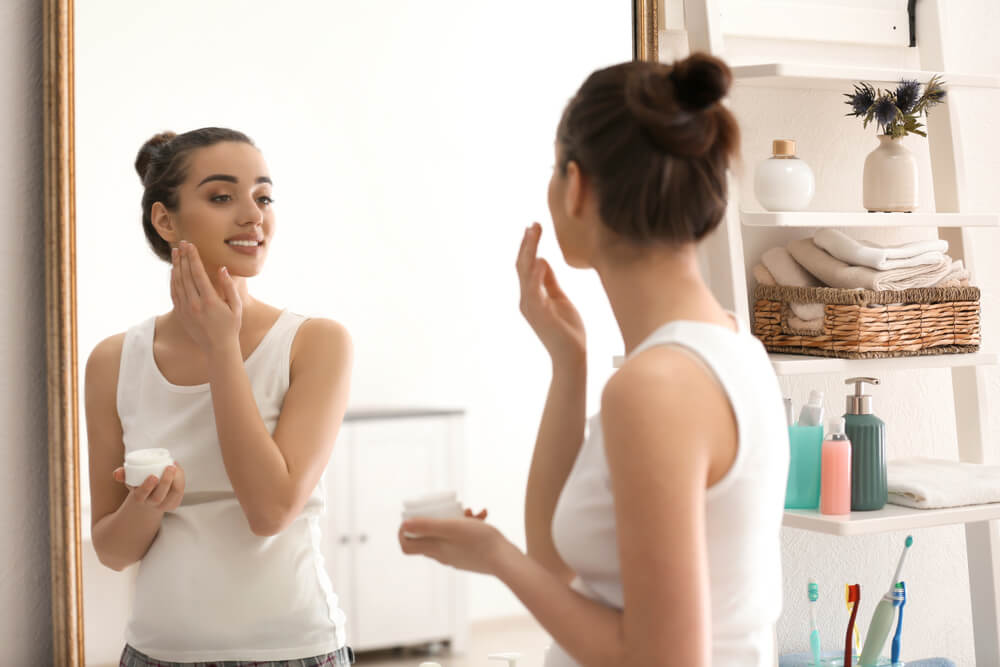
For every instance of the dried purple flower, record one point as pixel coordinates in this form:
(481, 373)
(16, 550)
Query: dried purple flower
(907, 94)
(885, 111)
(861, 100)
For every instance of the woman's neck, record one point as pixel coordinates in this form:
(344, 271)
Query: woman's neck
(655, 288)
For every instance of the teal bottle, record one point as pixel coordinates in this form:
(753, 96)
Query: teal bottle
(869, 488)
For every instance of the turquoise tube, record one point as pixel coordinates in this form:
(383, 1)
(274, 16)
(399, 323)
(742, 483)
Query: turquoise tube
(804, 465)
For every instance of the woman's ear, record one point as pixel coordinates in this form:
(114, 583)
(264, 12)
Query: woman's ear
(163, 223)
(575, 191)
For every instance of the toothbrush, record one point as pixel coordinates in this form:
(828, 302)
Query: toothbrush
(853, 596)
(878, 631)
(847, 602)
(901, 601)
(814, 630)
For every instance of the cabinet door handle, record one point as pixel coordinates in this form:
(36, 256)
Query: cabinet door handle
(344, 539)
(363, 538)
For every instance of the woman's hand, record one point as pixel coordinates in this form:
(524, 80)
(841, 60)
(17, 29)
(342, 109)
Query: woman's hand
(546, 307)
(473, 545)
(162, 494)
(210, 319)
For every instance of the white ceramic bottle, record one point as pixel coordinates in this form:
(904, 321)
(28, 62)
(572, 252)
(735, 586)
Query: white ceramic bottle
(783, 182)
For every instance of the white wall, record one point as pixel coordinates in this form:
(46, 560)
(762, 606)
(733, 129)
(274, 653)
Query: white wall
(410, 145)
(26, 626)
(916, 405)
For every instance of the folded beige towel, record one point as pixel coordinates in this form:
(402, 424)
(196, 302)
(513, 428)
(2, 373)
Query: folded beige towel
(879, 257)
(788, 273)
(836, 273)
(957, 275)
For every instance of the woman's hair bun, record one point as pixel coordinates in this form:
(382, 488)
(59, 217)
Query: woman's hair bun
(149, 150)
(700, 80)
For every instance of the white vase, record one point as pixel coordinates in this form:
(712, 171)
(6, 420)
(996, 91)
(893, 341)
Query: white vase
(890, 178)
(783, 182)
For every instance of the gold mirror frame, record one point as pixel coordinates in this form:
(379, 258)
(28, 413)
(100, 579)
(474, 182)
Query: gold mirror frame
(645, 38)
(60, 333)
(60, 319)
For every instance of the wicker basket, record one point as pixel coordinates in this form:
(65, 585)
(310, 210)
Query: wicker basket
(862, 324)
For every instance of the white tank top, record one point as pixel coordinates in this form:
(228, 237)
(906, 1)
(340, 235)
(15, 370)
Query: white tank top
(208, 588)
(743, 510)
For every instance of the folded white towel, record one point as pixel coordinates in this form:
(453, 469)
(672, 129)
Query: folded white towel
(879, 257)
(836, 273)
(928, 483)
(788, 273)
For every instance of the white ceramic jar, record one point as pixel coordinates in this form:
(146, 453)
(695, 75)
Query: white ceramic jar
(435, 506)
(783, 182)
(142, 463)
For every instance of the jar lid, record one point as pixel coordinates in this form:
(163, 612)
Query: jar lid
(783, 147)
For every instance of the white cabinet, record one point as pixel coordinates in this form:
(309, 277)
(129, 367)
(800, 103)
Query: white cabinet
(381, 458)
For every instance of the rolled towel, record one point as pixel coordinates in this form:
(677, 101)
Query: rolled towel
(799, 325)
(762, 275)
(836, 273)
(928, 483)
(879, 257)
(788, 273)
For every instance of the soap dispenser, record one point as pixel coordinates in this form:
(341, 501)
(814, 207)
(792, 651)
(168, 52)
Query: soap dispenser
(869, 489)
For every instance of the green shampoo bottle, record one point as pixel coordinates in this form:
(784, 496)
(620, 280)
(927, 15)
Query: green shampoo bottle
(869, 490)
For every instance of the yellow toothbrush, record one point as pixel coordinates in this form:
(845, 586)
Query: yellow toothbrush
(857, 635)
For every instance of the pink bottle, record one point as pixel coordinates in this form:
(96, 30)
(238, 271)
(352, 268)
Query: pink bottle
(835, 484)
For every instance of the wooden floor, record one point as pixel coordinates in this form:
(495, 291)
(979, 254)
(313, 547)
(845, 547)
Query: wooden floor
(519, 634)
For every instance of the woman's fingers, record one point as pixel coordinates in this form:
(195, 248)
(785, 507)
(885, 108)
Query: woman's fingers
(163, 487)
(528, 251)
(550, 282)
(187, 280)
(177, 292)
(141, 492)
(199, 277)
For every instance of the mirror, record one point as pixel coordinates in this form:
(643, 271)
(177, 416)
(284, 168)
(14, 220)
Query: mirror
(409, 144)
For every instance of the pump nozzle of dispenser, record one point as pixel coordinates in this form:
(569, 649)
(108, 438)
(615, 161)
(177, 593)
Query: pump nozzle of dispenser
(511, 658)
(860, 403)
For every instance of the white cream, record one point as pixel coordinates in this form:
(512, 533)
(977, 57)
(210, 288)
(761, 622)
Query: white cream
(142, 463)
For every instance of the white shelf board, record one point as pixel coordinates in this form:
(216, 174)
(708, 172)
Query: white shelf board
(804, 75)
(866, 219)
(801, 364)
(887, 519)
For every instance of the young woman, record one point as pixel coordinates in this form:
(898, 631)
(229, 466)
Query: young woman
(248, 399)
(656, 541)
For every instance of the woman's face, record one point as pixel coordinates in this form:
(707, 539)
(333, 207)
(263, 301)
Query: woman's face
(225, 207)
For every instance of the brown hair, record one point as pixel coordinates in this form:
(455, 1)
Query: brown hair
(655, 143)
(162, 165)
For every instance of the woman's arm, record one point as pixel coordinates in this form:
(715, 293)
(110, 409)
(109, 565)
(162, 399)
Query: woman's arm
(560, 435)
(559, 327)
(274, 476)
(124, 523)
(669, 433)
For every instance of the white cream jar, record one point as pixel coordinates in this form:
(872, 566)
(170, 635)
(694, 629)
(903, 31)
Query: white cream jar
(142, 463)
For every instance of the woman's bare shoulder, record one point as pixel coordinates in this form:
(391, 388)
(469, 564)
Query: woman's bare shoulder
(320, 338)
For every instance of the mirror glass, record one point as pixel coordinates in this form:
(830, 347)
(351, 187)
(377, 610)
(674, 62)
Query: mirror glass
(410, 144)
